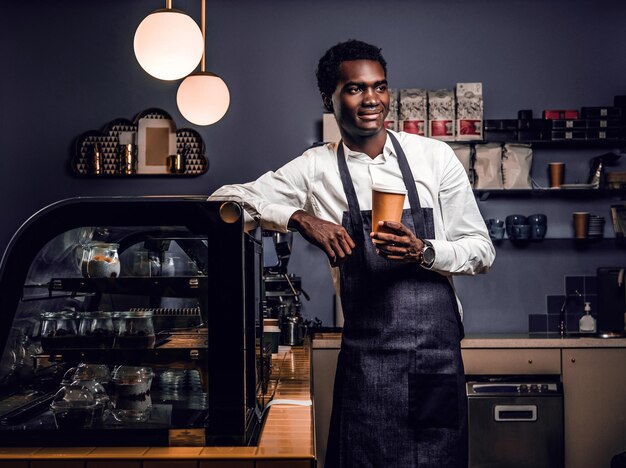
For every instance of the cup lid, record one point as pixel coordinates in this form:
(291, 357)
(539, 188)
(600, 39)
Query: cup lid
(389, 189)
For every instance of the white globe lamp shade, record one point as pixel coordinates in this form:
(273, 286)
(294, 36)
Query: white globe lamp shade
(203, 98)
(168, 44)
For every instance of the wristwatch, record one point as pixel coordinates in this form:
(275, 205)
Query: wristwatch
(428, 254)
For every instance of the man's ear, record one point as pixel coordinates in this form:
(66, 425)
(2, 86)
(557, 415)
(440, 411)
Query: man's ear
(328, 102)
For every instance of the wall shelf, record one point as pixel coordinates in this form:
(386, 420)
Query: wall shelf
(550, 193)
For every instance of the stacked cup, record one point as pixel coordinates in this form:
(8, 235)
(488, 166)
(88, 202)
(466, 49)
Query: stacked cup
(519, 227)
(538, 226)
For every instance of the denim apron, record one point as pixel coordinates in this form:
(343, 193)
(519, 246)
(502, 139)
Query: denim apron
(399, 396)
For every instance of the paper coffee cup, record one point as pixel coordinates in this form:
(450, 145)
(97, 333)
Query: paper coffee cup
(387, 205)
(581, 224)
(557, 171)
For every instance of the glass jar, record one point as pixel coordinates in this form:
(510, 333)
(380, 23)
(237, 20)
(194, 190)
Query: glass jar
(135, 330)
(168, 267)
(103, 260)
(73, 407)
(141, 263)
(58, 330)
(96, 330)
(99, 372)
(86, 376)
(132, 401)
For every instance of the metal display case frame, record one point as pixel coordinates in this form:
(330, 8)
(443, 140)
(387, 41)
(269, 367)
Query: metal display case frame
(229, 294)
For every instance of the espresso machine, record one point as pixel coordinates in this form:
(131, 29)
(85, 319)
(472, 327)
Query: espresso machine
(283, 291)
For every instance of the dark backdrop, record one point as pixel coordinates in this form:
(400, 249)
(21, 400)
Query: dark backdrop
(69, 66)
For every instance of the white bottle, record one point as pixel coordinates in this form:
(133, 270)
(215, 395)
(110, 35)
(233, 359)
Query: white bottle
(587, 324)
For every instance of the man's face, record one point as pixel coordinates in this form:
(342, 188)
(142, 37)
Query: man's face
(361, 100)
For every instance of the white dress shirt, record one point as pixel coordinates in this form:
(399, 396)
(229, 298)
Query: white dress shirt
(311, 182)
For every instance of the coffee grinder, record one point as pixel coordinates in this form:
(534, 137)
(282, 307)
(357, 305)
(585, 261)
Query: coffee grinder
(282, 290)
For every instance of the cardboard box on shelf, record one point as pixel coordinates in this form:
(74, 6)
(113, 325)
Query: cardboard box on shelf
(469, 111)
(568, 114)
(413, 111)
(441, 114)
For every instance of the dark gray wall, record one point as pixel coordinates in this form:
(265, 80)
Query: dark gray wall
(68, 66)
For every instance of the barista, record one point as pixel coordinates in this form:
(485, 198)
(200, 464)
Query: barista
(399, 397)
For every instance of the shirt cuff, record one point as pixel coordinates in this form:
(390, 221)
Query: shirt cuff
(444, 254)
(276, 217)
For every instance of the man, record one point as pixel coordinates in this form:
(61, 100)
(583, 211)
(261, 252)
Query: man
(399, 398)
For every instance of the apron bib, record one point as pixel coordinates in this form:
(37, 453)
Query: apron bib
(399, 396)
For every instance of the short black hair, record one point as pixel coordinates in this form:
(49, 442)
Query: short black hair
(328, 67)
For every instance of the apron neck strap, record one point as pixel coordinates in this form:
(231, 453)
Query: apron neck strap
(354, 211)
(409, 183)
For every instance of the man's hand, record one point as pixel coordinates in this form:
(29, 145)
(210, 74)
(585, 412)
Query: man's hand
(399, 244)
(333, 239)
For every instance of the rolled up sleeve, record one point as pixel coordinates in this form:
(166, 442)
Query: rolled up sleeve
(271, 200)
(467, 248)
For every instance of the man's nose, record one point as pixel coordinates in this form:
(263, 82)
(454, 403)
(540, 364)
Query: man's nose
(370, 98)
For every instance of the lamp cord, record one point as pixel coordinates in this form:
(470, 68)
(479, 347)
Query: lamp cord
(203, 35)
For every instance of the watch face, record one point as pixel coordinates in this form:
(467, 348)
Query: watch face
(428, 256)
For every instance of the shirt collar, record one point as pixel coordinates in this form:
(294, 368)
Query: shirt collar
(388, 151)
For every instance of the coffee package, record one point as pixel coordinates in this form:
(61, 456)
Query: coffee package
(517, 161)
(469, 111)
(488, 166)
(463, 152)
(441, 114)
(391, 121)
(413, 111)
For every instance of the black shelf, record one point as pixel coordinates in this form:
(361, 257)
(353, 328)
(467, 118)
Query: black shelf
(129, 356)
(550, 193)
(552, 243)
(165, 286)
(553, 143)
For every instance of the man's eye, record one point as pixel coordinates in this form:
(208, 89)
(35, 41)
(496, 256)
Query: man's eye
(353, 89)
(382, 88)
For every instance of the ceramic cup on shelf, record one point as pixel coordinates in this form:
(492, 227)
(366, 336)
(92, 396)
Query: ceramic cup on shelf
(514, 220)
(520, 231)
(538, 225)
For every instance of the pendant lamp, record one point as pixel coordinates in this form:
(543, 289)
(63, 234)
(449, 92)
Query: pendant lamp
(203, 97)
(168, 43)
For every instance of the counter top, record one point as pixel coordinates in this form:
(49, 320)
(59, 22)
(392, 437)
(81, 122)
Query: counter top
(288, 432)
(502, 340)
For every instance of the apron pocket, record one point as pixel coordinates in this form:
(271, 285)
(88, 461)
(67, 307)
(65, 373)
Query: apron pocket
(433, 401)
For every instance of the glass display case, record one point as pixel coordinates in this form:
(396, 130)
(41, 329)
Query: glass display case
(132, 321)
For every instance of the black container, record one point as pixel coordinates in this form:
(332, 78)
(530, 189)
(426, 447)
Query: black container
(525, 114)
(559, 124)
(604, 123)
(600, 112)
(602, 134)
(534, 124)
(611, 300)
(500, 135)
(533, 135)
(569, 135)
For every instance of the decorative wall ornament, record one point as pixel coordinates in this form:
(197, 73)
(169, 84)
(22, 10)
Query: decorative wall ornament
(110, 144)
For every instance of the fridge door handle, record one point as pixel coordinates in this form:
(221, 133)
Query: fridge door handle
(514, 413)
